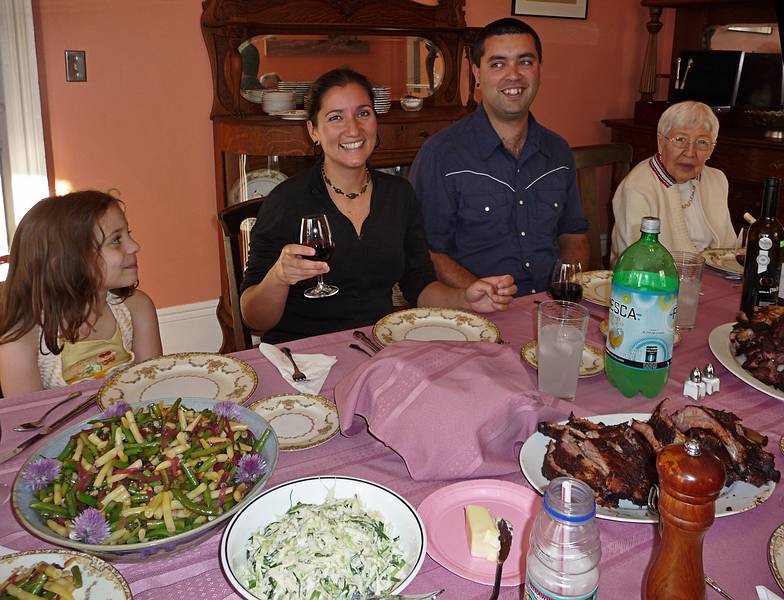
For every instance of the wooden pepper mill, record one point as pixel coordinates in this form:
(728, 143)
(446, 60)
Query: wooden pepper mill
(690, 480)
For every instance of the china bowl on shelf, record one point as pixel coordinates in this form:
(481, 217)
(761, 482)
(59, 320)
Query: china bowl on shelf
(159, 548)
(411, 103)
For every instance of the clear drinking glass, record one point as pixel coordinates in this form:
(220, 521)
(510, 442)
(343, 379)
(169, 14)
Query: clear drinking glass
(689, 265)
(565, 282)
(314, 232)
(561, 336)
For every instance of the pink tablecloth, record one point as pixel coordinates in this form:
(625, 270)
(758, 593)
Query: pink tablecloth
(735, 547)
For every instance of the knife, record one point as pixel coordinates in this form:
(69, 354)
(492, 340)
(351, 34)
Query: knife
(49, 429)
(360, 335)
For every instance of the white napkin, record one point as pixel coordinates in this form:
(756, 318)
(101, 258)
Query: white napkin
(315, 366)
(765, 594)
(4, 551)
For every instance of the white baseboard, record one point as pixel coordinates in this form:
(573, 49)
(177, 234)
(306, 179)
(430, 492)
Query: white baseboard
(190, 327)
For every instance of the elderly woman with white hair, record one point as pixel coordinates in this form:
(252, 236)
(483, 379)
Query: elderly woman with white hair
(676, 186)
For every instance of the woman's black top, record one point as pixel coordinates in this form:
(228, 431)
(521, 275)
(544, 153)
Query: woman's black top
(391, 248)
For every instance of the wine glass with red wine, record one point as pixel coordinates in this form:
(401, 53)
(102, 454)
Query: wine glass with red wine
(565, 283)
(314, 232)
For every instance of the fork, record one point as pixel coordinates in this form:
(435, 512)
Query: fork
(30, 425)
(298, 375)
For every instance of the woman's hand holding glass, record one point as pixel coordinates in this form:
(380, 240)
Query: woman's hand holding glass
(490, 294)
(292, 266)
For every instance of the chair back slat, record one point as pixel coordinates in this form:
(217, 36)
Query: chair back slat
(235, 249)
(598, 211)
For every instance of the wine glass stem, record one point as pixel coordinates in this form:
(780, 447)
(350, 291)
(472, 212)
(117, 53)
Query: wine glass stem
(319, 282)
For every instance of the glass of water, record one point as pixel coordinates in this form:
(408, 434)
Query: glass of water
(689, 265)
(561, 336)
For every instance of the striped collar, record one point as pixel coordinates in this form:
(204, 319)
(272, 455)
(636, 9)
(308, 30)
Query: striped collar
(663, 175)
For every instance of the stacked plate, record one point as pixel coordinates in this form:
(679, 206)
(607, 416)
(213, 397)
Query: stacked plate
(273, 102)
(382, 99)
(300, 89)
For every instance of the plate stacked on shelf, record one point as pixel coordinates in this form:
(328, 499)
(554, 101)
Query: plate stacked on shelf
(300, 89)
(382, 99)
(273, 102)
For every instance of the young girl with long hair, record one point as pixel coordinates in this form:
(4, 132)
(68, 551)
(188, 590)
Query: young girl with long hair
(70, 308)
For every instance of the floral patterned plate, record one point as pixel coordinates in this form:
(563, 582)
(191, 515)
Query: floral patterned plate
(591, 361)
(99, 578)
(189, 374)
(431, 324)
(597, 286)
(299, 420)
(724, 259)
(776, 555)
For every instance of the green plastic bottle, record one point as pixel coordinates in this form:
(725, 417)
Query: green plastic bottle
(643, 307)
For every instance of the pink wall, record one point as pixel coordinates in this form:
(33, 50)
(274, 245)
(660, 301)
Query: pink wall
(141, 122)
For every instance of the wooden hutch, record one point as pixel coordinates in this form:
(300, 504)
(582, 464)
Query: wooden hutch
(744, 153)
(244, 136)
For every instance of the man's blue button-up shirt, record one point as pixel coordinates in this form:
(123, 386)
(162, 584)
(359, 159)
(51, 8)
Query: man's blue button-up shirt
(494, 213)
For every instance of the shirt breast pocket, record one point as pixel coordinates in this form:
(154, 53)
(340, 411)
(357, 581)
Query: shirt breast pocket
(549, 208)
(486, 215)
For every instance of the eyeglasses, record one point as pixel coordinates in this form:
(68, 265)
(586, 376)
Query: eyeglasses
(682, 142)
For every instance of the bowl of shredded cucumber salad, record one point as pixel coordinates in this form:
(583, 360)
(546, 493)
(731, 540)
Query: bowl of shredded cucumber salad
(323, 538)
(145, 479)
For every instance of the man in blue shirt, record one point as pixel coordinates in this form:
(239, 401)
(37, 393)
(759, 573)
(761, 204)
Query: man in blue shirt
(498, 191)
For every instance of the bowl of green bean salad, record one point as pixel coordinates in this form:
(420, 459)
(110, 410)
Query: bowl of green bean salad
(145, 480)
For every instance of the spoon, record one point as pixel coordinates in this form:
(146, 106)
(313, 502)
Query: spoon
(30, 425)
(361, 349)
(505, 537)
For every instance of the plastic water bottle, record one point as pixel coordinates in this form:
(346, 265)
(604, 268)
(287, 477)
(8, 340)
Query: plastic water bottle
(564, 549)
(643, 307)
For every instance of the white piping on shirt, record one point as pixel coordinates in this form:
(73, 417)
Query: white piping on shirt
(546, 174)
(483, 175)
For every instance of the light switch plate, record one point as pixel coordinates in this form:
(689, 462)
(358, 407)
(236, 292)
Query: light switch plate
(75, 65)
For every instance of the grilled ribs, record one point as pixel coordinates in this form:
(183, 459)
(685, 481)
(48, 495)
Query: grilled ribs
(619, 461)
(760, 340)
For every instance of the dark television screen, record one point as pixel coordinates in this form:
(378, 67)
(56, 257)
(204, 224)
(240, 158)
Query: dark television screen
(712, 78)
(761, 81)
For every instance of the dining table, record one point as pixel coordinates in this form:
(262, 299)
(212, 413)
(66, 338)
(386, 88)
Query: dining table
(735, 551)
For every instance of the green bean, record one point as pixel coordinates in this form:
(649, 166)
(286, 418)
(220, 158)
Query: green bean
(174, 408)
(51, 508)
(164, 477)
(206, 465)
(259, 445)
(88, 444)
(189, 475)
(86, 499)
(70, 502)
(68, 465)
(88, 455)
(207, 451)
(193, 507)
(143, 445)
(76, 572)
(67, 450)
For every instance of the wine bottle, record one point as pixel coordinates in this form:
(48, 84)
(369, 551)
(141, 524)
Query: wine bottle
(762, 270)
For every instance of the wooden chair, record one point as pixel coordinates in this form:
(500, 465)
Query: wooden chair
(235, 251)
(598, 211)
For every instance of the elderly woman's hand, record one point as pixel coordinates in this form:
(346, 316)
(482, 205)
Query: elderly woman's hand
(291, 266)
(490, 294)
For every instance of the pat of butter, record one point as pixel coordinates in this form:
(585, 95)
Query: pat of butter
(482, 533)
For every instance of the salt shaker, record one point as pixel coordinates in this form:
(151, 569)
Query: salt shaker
(710, 379)
(690, 480)
(694, 388)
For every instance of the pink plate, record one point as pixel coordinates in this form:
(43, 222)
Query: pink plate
(447, 541)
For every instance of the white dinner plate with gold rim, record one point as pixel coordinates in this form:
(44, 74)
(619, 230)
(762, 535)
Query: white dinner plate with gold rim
(259, 183)
(597, 286)
(300, 420)
(604, 324)
(737, 498)
(99, 579)
(291, 115)
(431, 324)
(723, 259)
(776, 555)
(591, 361)
(188, 374)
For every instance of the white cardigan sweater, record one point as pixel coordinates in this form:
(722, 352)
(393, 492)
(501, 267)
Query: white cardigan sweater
(649, 191)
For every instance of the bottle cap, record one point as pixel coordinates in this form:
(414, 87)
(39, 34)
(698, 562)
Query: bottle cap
(650, 225)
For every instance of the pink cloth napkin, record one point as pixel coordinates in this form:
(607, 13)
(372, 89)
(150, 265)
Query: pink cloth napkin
(450, 409)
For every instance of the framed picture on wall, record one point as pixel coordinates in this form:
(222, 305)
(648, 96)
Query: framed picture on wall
(570, 9)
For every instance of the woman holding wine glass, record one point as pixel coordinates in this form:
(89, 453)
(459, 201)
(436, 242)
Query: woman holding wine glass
(373, 227)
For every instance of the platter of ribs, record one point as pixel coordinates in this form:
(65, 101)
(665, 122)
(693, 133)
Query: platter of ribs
(616, 456)
(753, 349)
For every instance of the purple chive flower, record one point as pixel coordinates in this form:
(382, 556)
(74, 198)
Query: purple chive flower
(90, 526)
(41, 473)
(115, 410)
(227, 410)
(250, 468)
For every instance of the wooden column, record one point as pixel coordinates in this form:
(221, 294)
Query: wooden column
(648, 77)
